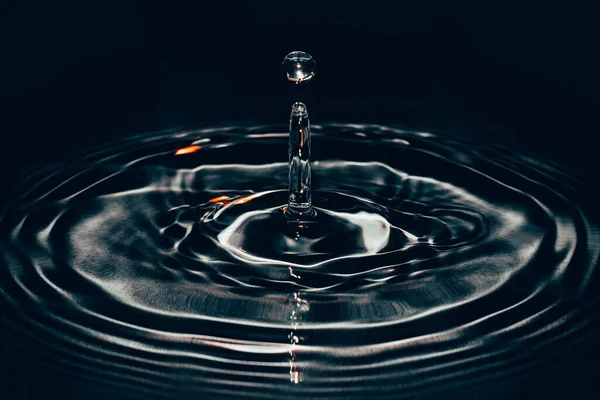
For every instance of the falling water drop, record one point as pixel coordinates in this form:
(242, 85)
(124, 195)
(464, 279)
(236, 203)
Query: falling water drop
(299, 67)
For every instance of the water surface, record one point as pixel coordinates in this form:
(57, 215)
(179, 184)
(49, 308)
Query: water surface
(163, 266)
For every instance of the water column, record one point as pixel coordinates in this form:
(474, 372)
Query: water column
(299, 204)
(300, 68)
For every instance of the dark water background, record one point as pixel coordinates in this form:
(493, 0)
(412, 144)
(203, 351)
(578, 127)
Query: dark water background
(524, 76)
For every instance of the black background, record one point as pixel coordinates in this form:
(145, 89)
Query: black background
(75, 73)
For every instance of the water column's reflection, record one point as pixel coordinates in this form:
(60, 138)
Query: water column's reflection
(300, 308)
(298, 313)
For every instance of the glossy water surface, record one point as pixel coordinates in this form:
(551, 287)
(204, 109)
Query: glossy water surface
(163, 266)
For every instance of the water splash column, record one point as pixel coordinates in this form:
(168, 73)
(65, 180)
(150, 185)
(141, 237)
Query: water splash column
(299, 68)
(300, 203)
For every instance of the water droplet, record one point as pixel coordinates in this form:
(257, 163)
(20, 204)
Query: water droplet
(299, 67)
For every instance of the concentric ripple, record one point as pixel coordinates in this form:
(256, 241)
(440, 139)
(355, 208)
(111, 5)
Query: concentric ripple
(163, 266)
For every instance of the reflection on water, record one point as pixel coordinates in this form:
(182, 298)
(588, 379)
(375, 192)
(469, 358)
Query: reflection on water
(299, 310)
(158, 268)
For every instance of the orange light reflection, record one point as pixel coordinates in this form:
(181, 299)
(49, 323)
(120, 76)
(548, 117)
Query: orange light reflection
(244, 200)
(218, 199)
(187, 150)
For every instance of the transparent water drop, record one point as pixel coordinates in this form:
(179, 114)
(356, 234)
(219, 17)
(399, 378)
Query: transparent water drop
(299, 67)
